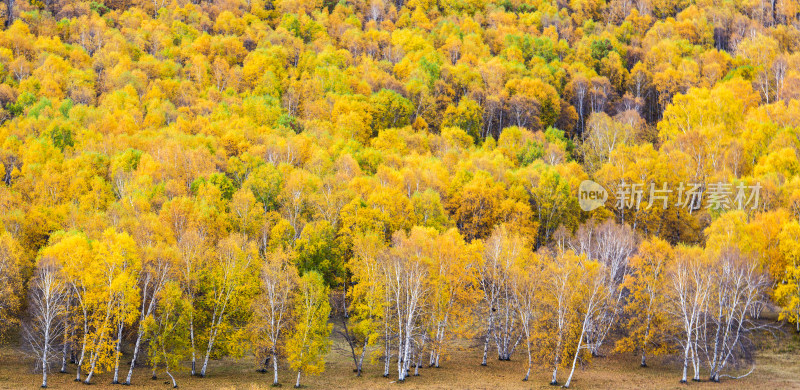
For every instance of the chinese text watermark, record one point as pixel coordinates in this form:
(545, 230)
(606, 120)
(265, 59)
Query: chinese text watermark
(691, 196)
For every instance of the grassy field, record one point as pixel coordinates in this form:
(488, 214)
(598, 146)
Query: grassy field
(778, 367)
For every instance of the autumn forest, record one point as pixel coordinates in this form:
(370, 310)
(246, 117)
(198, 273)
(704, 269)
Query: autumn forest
(399, 187)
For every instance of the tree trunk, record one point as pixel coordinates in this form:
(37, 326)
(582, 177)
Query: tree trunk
(344, 299)
(93, 364)
(419, 363)
(91, 372)
(274, 368)
(211, 340)
(205, 363)
(400, 367)
(117, 354)
(646, 338)
(44, 358)
(406, 352)
(80, 359)
(696, 360)
(685, 363)
(135, 355)
(64, 354)
(361, 359)
(297, 384)
(400, 351)
(174, 384)
(191, 338)
(530, 362)
(387, 357)
(10, 11)
(166, 369)
(351, 342)
(486, 340)
(774, 12)
(99, 340)
(577, 350)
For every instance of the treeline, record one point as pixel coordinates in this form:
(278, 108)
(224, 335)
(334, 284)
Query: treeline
(178, 177)
(599, 291)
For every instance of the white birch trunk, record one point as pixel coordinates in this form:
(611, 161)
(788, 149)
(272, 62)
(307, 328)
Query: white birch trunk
(577, 351)
(118, 352)
(274, 368)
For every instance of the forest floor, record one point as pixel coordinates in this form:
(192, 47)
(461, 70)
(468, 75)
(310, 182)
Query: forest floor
(778, 367)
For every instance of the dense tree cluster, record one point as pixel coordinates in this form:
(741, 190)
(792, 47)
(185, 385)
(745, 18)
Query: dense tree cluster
(180, 176)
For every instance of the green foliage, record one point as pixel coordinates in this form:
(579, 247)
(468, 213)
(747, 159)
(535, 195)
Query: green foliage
(61, 137)
(531, 152)
(389, 109)
(601, 48)
(467, 116)
(100, 8)
(317, 251)
(555, 135)
(746, 72)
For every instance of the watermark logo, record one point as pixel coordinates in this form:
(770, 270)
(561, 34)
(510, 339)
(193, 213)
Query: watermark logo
(689, 196)
(591, 195)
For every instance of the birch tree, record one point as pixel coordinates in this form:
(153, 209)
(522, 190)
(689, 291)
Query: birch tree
(191, 246)
(502, 252)
(505, 251)
(273, 307)
(526, 282)
(453, 281)
(231, 284)
(562, 275)
(73, 253)
(113, 290)
(166, 330)
(689, 289)
(160, 267)
(407, 267)
(369, 304)
(611, 245)
(647, 322)
(310, 339)
(47, 305)
(738, 285)
(591, 296)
